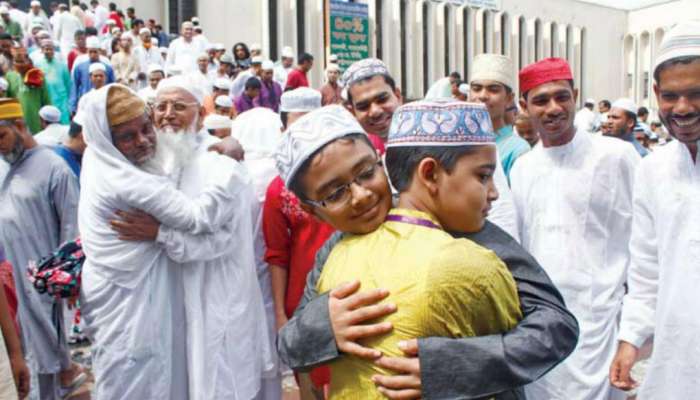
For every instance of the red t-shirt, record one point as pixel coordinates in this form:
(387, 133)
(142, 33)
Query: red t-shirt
(72, 56)
(296, 79)
(377, 143)
(293, 237)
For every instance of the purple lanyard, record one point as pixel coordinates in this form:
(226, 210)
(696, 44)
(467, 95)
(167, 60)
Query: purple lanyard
(412, 220)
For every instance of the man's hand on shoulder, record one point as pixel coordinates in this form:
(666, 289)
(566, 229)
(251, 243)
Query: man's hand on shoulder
(406, 383)
(229, 147)
(349, 310)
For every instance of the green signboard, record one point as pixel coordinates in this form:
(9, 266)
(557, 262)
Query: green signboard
(348, 29)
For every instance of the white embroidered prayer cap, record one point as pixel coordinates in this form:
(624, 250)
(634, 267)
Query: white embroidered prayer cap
(92, 42)
(222, 83)
(493, 67)
(287, 52)
(97, 66)
(310, 133)
(268, 65)
(216, 121)
(223, 101)
(50, 114)
(682, 40)
(302, 99)
(625, 104)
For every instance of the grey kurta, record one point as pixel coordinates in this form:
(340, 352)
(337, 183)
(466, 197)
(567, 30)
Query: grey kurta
(39, 197)
(467, 368)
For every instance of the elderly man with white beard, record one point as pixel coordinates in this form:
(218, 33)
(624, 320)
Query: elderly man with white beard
(156, 334)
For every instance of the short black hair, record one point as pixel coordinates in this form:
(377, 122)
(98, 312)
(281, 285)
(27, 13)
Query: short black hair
(130, 9)
(685, 60)
(75, 2)
(112, 7)
(295, 185)
(571, 83)
(387, 79)
(137, 21)
(401, 162)
(606, 103)
(456, 75)
(79, 33)
(75, 129)
(90, 31)
(642, 111)
(5, 36)
(304, 57)
(632, 116)
(252, 83)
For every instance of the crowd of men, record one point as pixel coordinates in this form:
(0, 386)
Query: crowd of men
(236, 223)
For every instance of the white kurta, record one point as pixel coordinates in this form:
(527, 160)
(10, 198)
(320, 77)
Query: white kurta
(503, 212)
(574, 206)
(664, 275)
(184, 54)
(66, 26)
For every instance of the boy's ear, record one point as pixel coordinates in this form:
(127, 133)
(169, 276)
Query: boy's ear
(426, 174)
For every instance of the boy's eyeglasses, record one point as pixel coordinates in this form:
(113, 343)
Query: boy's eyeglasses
(342, 194)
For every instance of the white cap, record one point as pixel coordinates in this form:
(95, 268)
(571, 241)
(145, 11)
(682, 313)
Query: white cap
(163, 50)
(98, 66)
(216, 121)
(287, 52)
(50, 114)
(35, 3)
(4, 10)
(154, 41)
(464, 89)
(589, 101)
(257, 60)
(155, 68)
(333, 58)
(332, 67)
(302, 99)
(625, 104)
(682, 40)
(144, 30)
(3, 84)
(92, 42)
(268, 65)
(493, 67)
(173, 70)
(110, 22)
(194, 19)
(116, 30)
(255, 46)
(219, 46)
(223, 101)
(222, 83)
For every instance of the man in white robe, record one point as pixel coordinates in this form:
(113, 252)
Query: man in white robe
(664, 276)
(39, 200)
(573, 197)
(183, 51)
(156, 336)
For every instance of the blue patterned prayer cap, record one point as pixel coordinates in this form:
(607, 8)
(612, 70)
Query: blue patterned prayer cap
(440, 122)
(364, 69)
(310, 133)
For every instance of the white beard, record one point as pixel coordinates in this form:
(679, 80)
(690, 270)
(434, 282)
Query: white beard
(175, 149)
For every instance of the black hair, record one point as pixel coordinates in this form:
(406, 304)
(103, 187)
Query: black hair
(78, 33)
(304, 57)
(656, 124)
(91, 2)
(632, 116)
(90, 31)
(401, 162)
(75, 2)
(685, 60)
(571, 83)
(387, 79)
(75, 129)
(456, 75)
(642, 111)
(295, 185)
(198, 29)
(83, 6)
(5, 36)
(137, 21)
(283, 117)
(606, 103)
(112, 7)
(252, 83)
(245, 48)
(131, 9)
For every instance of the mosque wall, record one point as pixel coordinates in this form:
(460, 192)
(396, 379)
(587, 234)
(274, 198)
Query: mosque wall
(610, 50)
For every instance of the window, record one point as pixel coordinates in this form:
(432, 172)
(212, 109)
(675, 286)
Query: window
(538, 40)
(180, 11)
(486, 31)
(424, 21)
(522, 43)
(272, 21)
(378, 27)
(301, 16)
(402, 31)
(505, 37)
(554, 40)
(468, 35)
(446, 44)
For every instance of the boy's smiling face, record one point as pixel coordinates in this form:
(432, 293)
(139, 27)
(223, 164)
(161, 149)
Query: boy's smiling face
(341, 162)
(464, 196)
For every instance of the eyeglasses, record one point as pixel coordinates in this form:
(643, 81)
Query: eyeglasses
(178, 106)
(342, 194)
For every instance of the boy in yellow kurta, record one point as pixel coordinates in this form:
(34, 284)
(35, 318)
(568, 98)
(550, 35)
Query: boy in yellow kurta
(440, 157)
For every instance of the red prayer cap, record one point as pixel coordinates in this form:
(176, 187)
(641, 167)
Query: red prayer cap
(543, 71)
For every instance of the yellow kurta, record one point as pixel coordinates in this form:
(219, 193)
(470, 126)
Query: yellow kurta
(442, 287)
